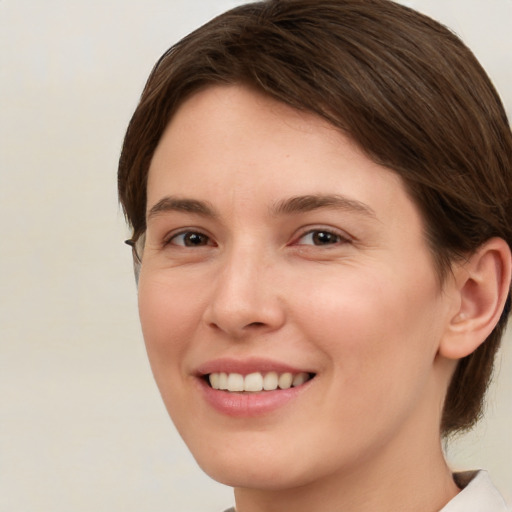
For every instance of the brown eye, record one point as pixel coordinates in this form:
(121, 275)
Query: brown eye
(320, 237)
(324, 238)
(190, 239)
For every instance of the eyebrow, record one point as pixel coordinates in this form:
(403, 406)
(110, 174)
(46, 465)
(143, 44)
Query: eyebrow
(307, 203)
(296, 204)
(176, 204)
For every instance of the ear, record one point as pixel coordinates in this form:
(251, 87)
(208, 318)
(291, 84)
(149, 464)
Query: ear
(482, 284)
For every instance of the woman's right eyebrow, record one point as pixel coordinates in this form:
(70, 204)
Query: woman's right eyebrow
(178, 204)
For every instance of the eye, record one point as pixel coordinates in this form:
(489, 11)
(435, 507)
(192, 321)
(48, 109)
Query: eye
(190, 239)
(321, 237)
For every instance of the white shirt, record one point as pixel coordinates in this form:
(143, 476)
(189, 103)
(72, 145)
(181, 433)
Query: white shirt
(478, 494)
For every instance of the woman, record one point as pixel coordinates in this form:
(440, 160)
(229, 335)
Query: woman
(320, 196)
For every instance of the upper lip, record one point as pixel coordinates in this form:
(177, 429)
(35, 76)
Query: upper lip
(246, 366)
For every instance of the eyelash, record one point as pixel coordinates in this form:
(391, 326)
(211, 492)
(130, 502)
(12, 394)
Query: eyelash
(339, 238)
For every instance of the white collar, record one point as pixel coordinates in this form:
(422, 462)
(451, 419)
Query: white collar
(478, 494)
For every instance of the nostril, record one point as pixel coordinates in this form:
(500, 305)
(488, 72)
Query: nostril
(256, 324)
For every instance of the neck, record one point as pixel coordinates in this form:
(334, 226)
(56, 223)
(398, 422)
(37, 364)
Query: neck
(425, 485)
(406, 473)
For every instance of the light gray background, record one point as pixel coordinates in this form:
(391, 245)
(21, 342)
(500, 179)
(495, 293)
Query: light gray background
(82, 427)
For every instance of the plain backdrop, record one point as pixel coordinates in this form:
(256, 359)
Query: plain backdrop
(82, 427)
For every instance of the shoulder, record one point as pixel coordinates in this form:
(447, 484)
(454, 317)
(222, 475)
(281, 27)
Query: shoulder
(478, 494)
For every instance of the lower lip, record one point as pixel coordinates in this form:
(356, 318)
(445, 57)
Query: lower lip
(250, 404)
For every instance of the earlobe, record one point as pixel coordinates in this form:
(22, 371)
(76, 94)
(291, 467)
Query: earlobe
(482, 285)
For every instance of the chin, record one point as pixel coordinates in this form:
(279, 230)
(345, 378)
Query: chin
(259, 461)
(258, 474)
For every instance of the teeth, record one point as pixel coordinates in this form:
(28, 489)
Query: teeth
(285, 381)
(256, 382)
(253, 382)
(299, 379)
(223, 380)
(235, 382)
(215, 380)
(270, 381)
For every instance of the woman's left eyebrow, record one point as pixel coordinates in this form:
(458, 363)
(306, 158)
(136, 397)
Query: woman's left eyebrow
(307, 203)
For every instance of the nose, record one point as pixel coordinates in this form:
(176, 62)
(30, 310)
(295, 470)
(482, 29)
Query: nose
(246, 296)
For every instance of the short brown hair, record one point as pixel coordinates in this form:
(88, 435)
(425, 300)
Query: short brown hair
(401, 85)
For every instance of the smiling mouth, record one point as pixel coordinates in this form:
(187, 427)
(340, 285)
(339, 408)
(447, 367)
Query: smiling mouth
(256, 382)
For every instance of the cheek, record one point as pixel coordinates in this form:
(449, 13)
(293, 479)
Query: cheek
(378, 344)
(168, 319)
(375, 328)
(167, 306)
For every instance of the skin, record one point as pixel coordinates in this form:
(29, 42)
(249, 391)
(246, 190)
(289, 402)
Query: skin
(364, 309)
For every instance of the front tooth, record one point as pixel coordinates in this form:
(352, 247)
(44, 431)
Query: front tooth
(270, 381)
(223, 381)
(253, 382)
(214, 380)
(235, 382)
(285, 380)
(299, 379)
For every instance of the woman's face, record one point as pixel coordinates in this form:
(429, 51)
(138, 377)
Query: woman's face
(277, 252)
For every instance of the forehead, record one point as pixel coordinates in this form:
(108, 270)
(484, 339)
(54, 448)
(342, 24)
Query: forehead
(210, 114)
(231, 142)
